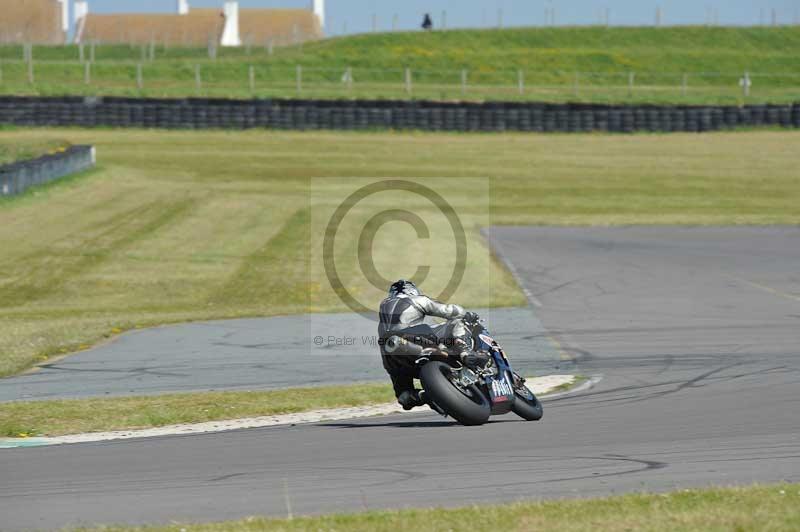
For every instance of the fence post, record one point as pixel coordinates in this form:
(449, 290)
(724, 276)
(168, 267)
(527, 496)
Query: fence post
(198, 81)
(251, 75)
(463, 81)
(576, 86)
(746, 83)
(684, 84)
(30, 71)
(631, 81)
(408, 81)
(139, 77)
(521, 82)
(349, 79)
(299, 78)
(87, 73)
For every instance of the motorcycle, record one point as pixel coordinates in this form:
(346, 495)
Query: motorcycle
(468, 395)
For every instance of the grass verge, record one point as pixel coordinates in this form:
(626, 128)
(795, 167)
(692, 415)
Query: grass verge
(76, 416)
(770, 507)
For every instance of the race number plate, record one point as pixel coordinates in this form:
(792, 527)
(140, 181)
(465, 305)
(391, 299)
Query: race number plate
(500, 390)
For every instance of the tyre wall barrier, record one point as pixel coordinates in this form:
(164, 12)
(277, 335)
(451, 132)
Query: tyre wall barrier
(16, 177)
(195, 113)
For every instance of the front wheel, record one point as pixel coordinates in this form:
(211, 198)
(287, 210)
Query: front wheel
(467, 405)
(526, 405)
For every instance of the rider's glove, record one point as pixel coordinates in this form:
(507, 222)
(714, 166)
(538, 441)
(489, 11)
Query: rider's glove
(471, 317)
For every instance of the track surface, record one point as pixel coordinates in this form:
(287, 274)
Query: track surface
(696, 331)
(250, 354)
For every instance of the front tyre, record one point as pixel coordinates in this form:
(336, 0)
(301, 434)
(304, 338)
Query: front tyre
(526, 405)
(467, 405)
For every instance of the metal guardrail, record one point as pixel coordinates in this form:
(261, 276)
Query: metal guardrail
(17, 177)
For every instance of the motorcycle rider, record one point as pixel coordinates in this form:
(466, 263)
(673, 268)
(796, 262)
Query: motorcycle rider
(404, 311)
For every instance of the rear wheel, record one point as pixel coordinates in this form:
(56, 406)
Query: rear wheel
(526, 405)
(467, 405)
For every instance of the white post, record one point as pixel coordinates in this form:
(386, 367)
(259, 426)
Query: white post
(64, 15)
(230, 34)
(746, 84)
(521, 82)
(577, 83)
(631, 80)
(408, 81)
(463, 81)
(198, 81)
(319, 11)
(87, 73)
(349, 79)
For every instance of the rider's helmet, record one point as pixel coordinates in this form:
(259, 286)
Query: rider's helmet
(403, 287)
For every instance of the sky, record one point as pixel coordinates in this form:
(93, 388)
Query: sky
(356, 16)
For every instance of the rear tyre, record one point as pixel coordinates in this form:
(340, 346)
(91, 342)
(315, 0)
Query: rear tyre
(526, 405)
(468, 406)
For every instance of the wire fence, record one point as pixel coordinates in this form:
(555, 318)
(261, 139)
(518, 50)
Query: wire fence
(238, 79)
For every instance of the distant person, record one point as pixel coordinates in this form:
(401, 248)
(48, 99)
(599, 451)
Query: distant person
(427, 23)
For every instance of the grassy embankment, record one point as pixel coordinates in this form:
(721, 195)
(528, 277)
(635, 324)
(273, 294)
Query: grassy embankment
(775, 508)
(179, 226)
(714, 59)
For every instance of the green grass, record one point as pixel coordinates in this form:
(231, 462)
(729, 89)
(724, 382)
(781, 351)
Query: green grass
(714, 58)
(177, 226)
(76, 416)
(12, 151)
(775, 508)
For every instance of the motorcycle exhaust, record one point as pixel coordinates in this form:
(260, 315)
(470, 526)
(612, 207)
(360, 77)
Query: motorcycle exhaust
(400, 346)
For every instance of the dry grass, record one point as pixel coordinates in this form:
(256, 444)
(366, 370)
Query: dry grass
(179, 226)
(33, 21)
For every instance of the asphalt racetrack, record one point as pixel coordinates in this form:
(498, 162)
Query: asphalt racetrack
(695, 332)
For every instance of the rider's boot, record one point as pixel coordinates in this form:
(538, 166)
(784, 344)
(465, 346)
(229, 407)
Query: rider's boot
(409, 399)
(468, 357)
